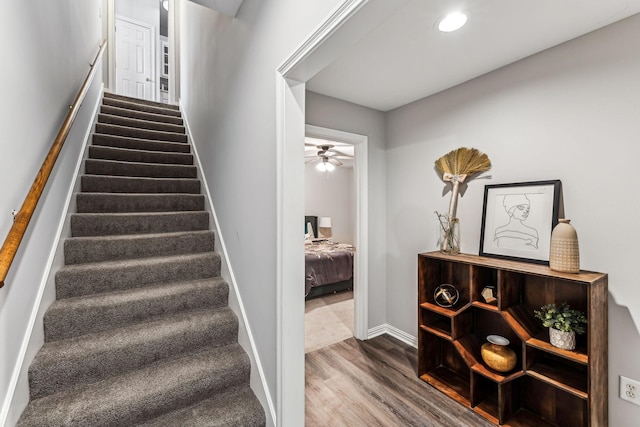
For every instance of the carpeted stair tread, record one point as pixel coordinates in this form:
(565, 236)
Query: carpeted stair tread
(62, 364)
(83, 225)
(144, 394)
(81, 250)
(123, 184)
(142, 115)
(139, 156)
(236, 408)
(139, 123)
(108, 276)
(157, 135)
(71, 317)
(139, 144)
(141, 107)
(149, 170)
(139, 202)
(139, 101)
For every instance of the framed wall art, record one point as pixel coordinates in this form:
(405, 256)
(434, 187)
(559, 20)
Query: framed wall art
(517, 220)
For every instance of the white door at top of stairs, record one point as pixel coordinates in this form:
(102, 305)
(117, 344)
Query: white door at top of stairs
(134, 65)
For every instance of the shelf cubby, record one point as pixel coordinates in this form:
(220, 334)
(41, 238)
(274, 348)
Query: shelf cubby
(442, 272)
(557, 371)
(549, 387)
(443, 367)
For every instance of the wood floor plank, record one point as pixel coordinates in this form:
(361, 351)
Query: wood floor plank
(375, 383)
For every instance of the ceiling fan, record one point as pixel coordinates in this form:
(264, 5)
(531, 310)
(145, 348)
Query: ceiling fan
(326, 155)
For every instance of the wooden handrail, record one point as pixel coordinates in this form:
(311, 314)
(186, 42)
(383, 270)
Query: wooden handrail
(22, 218)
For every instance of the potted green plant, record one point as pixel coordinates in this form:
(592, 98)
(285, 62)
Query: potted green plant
(563, 323)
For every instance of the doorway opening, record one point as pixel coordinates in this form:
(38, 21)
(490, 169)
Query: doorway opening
(333, 196)
(141, 54)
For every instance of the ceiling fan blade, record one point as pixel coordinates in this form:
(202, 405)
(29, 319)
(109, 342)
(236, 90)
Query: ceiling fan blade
(335, 161)
(314, 159)
(341, 153)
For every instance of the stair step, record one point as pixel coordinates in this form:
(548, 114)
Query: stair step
(237, 407)
(144, 394)
(132, 169)
(139, 101)
(109, 276)
(112, 102)
(139, 156)
(140, 133)
(72, 317)
(62, 364)
(139, 144)
(142, 115)
(81, 250)
(83, 225)
(139, 123)
(121, 184)
(120, 202)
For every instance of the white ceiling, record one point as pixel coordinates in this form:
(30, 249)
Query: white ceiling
(407, 58)
(228, 7)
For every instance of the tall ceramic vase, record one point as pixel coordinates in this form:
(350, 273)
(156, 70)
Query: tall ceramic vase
(564, 254)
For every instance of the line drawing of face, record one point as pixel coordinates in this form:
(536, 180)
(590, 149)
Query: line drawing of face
(521, 212)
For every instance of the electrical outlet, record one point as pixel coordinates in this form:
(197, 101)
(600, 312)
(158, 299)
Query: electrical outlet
(630, 390)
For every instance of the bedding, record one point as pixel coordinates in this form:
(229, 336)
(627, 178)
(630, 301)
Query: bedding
(328, 267)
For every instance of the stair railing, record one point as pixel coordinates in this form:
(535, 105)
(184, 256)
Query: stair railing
(23, 216)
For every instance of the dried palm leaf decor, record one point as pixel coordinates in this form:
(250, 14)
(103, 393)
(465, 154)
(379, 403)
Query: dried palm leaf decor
(455, 167)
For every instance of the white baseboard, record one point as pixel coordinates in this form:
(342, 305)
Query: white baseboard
(245, 337)
(394, 332)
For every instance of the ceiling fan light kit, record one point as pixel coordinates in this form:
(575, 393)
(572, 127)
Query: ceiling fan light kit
(327, 156)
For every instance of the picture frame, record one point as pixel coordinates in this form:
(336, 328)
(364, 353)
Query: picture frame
(517, 220)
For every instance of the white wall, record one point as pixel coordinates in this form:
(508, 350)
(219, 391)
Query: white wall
(228, 91)
(46, 58)
(331, 194)
(145, 11)
(569, 113)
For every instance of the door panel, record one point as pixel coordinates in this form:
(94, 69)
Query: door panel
(134, 71)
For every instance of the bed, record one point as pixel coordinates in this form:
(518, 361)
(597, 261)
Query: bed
(328, 264)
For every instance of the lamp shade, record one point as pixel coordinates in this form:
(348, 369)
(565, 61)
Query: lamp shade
(324, 222)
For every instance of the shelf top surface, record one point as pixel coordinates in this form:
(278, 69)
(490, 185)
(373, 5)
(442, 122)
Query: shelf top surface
(516, 266)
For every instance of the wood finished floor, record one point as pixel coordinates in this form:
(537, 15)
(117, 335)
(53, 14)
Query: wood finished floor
(374, 383)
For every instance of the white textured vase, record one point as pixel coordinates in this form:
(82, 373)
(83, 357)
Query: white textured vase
(561, 339)
(564, 254)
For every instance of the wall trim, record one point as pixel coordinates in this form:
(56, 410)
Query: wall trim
(48, 277)
(394, 332)
(245, 337)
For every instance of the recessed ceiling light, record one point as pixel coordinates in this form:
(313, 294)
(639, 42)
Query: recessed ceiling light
(452, 22)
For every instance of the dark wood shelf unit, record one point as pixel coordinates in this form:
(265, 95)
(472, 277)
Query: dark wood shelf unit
(549, 386)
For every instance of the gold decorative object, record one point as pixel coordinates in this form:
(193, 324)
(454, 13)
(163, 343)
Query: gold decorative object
(446, 295)
(488, 294)
(497, 354)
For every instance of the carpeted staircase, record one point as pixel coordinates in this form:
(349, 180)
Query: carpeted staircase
(140, 333)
